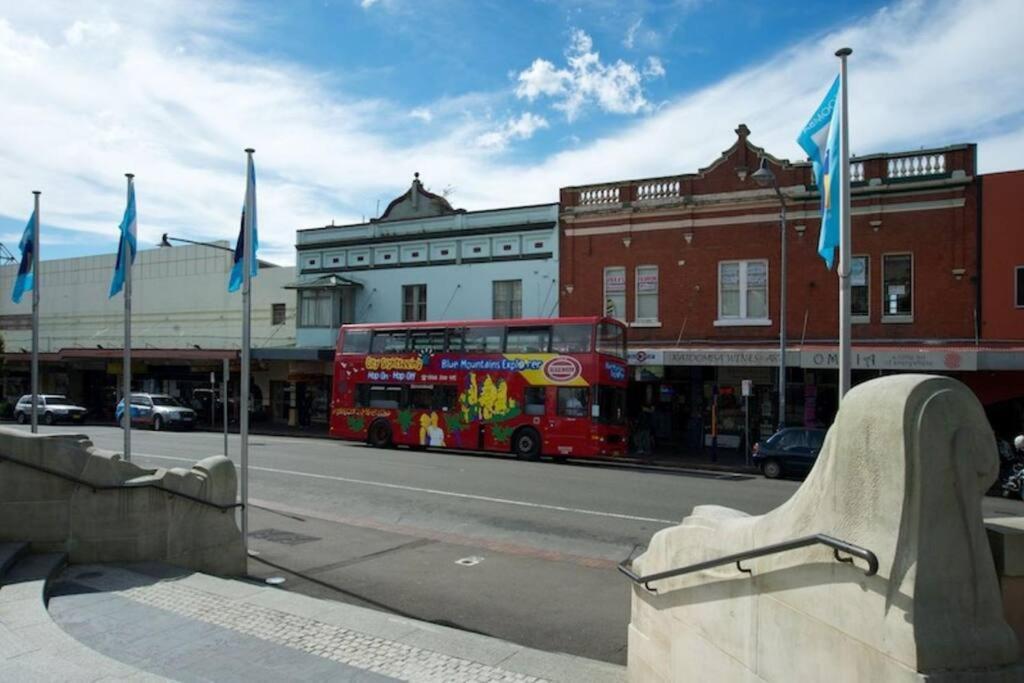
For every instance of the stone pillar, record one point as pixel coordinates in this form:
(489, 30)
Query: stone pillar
(902, 474)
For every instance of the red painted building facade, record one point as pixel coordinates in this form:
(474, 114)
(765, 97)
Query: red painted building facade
(691, 262)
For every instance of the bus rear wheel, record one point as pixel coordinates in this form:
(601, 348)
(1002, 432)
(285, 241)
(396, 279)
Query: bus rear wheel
(526, 444)
(380, 434)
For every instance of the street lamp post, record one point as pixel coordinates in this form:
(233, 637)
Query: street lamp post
(765, 178)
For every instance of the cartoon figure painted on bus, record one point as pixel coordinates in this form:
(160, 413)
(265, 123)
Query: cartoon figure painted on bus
(431, 433)
(487, 400)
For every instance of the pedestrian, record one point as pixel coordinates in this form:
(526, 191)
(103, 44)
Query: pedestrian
(644, 425)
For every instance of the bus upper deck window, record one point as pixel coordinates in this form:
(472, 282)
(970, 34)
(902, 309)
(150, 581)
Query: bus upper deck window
(571, 338)
(389, 341)
(356, 341)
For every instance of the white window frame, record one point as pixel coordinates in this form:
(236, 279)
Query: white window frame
(416, 303)
(742, 320)
(898, 318)
(625, 289)
(317, 294)
(510, 301)
(1016, 289)
(645, 322)
(859, 319)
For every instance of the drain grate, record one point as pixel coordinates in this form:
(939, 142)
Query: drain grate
(283, 537)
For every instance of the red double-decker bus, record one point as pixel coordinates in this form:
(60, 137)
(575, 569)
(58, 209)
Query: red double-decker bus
(532, 387)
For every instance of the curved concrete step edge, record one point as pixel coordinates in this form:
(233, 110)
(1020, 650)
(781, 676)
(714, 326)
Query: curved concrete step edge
(9, 554)
(32, 646)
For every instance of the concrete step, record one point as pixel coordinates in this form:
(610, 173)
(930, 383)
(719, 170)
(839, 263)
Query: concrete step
(162, 619)
(9, 554)
(34, 567)
(32, 646)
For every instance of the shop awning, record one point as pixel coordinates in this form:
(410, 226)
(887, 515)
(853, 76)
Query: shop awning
(325, 282)
(907, 357)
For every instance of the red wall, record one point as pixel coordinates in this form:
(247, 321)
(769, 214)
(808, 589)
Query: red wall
(1002, 249)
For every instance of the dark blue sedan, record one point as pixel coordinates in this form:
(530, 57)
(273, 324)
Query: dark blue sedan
(792, 450)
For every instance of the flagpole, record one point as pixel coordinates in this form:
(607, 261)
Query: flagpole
(243, 409)
(126, 254)
(36, 280)
(845, 294)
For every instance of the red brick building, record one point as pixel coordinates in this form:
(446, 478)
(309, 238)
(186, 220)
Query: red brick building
(691, 263)
(1002, 296)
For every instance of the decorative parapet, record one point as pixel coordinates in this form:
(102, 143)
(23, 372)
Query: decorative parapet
(953, 162)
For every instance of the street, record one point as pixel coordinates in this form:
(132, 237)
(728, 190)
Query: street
(524, 551)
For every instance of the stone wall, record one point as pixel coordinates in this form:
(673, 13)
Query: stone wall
(902, 473)
(122, 525)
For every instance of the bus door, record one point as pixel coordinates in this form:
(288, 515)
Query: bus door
(569, 427)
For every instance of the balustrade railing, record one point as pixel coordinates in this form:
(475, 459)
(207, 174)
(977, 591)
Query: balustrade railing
(916, 165)
(599, 195)
(659, 189)
(856, 171)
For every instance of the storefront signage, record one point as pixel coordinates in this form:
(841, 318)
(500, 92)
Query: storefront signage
(645, 357)
(709, 357)
(883, 359)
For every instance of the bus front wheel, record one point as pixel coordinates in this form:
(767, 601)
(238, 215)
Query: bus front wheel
(526, 444)
(380, 434)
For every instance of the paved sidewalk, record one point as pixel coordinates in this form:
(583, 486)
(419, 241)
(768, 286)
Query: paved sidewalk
(194, 627)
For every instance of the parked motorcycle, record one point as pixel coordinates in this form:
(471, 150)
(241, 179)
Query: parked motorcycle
(1013, 485)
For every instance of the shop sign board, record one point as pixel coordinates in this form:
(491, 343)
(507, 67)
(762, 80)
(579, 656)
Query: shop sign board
(709, 357)
(718, 357)
(894, 359)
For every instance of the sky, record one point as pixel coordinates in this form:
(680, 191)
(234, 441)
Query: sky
(494, 103)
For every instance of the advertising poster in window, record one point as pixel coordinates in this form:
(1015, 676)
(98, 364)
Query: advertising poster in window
(615, 281)
(647, 281)
(858, 272)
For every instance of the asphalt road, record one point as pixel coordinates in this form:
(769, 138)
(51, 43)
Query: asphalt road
(523, 551)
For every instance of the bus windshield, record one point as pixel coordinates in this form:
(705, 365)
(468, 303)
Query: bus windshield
(611, 339)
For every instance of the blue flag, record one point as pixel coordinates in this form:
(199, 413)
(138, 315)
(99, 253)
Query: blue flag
(26, 278)
(820, 139)
(128, 243)
(248, 209)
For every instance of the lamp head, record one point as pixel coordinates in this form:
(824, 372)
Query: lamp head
(164, 242)
(764, 176)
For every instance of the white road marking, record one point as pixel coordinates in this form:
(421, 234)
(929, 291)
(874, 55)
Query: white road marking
(436, 492)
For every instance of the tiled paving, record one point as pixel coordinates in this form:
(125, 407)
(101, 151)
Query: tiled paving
(191, 627)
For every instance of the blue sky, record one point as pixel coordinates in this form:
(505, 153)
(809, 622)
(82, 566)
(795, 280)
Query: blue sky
(497, 103)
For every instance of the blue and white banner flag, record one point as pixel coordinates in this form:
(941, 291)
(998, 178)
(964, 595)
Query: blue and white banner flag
(248, 211)
(820, 139)
(25, 281)
(127, 244)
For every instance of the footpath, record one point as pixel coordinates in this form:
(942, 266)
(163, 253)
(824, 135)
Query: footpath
(155, 622)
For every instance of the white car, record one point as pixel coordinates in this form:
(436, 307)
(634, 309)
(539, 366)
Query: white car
(52, 408)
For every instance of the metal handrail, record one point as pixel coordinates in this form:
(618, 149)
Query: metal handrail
(119, 487)
(817, 539)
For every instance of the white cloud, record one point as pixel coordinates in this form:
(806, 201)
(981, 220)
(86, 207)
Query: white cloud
(520, 128)
(366, 4)
(615, 88)
(78, 116)
(542, 78)
(630, 38)
(654, 68)
(422, 113)
(84, 31)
